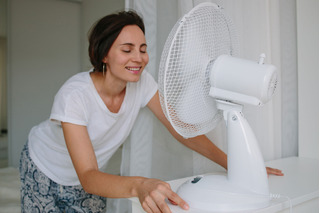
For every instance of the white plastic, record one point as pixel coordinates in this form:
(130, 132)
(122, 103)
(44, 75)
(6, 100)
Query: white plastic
(194, 42)
(246, 186)
(197, 80)
(215, 193)
(246, 167)
(242, 81)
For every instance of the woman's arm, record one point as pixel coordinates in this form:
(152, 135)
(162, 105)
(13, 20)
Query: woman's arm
(85, 163)
(151, 192)
(200, 144)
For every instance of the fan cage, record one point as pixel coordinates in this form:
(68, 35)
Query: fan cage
(192, 46)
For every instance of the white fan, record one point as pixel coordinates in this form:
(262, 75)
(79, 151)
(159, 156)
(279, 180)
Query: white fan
(199, 78)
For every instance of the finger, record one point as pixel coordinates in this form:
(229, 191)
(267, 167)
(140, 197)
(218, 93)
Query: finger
(164, 207)
(150, 206)
(173, 197)
(157, 209)
(159, 202)
(274, 171)
(172, 202)
(146, 208)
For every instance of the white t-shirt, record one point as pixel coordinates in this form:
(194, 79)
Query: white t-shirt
(78, 102)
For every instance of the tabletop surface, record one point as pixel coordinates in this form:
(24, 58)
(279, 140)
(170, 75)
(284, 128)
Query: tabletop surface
(300, 183)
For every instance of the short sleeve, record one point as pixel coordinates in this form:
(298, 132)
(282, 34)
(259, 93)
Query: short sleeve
(149, 88)
(68, 107)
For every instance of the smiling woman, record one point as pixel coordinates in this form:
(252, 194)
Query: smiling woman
(124, 57)
(106, 31)
(92, 115)
(140, 52)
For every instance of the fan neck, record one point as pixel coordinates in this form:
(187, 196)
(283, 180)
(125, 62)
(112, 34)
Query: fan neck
(227, 106)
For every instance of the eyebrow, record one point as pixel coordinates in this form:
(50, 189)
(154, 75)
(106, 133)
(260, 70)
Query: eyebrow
(131, 44)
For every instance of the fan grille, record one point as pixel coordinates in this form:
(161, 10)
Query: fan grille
(193, 44)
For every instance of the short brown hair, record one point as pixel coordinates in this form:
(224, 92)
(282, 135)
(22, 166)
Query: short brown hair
(105, 31)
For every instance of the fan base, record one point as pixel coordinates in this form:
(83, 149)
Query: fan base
(215, 193)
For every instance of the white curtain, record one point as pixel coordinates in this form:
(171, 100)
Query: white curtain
(263, 26)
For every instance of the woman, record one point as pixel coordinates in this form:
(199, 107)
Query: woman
(92, 114)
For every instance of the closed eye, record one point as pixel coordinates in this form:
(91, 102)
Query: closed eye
(143, 48)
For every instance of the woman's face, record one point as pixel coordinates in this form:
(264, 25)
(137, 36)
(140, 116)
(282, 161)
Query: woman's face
(128, 55)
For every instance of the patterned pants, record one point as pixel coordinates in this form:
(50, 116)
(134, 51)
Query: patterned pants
(41, 194)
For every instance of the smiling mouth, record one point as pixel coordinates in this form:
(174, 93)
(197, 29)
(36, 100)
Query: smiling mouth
(134, 70)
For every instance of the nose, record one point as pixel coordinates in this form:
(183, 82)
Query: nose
(137, 56)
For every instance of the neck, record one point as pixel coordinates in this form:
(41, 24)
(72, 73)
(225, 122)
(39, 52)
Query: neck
(107, 86)
(111, 91)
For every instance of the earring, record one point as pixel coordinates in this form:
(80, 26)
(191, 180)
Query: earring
(103, 68)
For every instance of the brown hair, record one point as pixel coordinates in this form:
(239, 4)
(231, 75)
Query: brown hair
(105, 31)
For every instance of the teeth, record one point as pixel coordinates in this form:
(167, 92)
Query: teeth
(133, 69)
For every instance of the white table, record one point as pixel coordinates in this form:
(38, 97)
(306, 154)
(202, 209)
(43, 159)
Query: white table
(300, 183)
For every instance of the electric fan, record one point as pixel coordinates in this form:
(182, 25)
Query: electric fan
(201, 81)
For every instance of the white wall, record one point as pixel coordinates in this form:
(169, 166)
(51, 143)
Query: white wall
(47, 44)
(44, 50)
(308, 77)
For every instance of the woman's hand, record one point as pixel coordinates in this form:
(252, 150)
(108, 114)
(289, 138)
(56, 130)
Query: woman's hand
(272, 171)
(153, 193)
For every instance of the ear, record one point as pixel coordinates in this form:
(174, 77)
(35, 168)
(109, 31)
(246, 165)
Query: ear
(105, 60)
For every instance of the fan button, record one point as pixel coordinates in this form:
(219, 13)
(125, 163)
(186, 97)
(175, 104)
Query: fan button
(196, 179)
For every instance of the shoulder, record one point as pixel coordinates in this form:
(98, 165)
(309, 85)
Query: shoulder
(76, 84)
(75, 90)
(70, 103)
(79, 79)
(147, 79)
(146, 74)
(148, 88)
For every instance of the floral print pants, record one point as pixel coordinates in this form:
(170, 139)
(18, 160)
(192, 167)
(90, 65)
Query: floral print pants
(41, 194)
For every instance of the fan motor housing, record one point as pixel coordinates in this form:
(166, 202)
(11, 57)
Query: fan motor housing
(242, 81)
